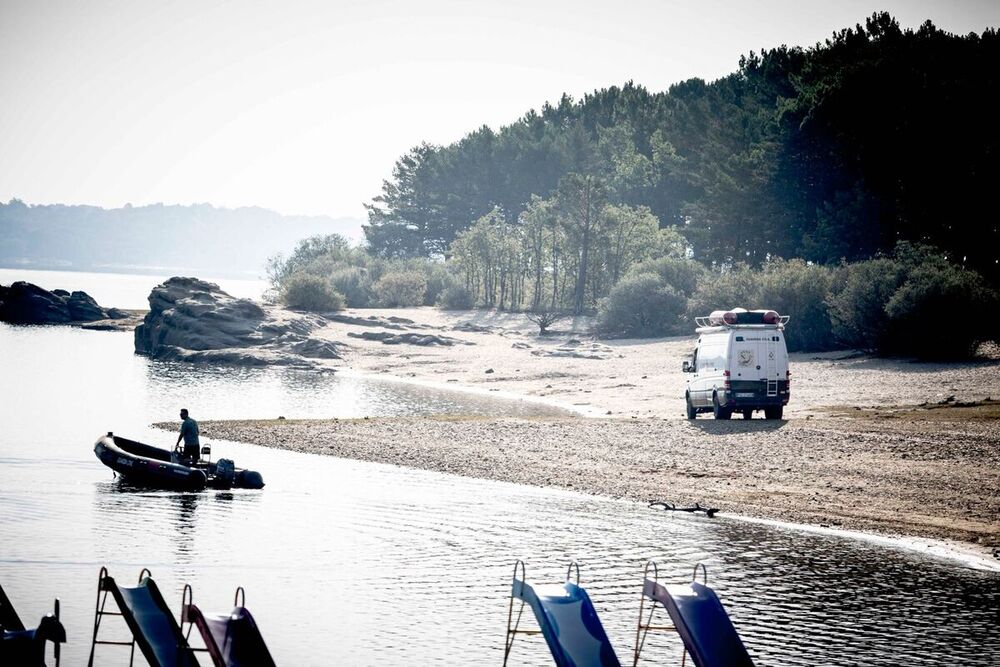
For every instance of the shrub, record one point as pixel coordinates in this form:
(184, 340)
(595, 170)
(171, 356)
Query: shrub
(799, 290)
(398, 289)
(641, 306)
(736, 287)
(857, 305)
(354, 284)
(312, 293)
(439, 278)
(456, 297)
(940, 312)
(684, 275)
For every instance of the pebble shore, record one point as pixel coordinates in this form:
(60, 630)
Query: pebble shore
(936, 478)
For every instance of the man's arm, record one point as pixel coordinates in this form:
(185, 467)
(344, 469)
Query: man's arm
(181, 435)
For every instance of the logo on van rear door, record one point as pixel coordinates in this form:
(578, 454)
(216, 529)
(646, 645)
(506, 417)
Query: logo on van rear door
(745, 357)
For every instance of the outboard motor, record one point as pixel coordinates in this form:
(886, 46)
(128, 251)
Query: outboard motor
(249, 479)
(225, 473)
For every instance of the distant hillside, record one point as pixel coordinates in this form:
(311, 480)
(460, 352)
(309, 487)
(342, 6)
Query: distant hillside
(173, 239)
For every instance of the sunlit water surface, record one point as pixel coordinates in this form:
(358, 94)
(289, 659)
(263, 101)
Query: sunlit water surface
(355, 563)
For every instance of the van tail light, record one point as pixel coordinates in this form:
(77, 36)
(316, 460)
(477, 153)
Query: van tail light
(726, 385)
(788, 380)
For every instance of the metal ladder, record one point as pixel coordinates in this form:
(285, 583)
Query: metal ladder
(771, 367)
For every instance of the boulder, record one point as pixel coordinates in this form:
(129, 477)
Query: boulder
(390, 338)
(25, 303)
(194, 320)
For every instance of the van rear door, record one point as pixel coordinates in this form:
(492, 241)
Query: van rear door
(749, 364)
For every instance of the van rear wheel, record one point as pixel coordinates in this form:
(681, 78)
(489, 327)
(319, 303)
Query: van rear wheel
(718, 411)
(691, 412)
(773, 413)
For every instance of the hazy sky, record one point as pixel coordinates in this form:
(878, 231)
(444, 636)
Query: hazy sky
(304, 106)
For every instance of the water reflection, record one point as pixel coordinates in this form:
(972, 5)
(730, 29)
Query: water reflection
(266, 393)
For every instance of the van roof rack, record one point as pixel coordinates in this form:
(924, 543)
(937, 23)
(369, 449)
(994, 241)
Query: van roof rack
(740, 318)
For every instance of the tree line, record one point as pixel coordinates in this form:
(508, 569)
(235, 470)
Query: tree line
(847, 185)
(834, 152)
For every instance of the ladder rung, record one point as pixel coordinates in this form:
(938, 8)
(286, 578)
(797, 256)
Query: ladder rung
(657, 627)
(101, 641)
(524, 632)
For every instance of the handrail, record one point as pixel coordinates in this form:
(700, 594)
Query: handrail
(572, 565)
(513, 632)
(642, 629)
(240, 597)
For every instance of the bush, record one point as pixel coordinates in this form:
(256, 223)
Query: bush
(439, 278)
(456, 297)
(736, 287)
(799, 290)
(398, 289)
(857, 306)
(307, 292)
(941, 312)
(915, 303)
(684, 275)
(641, 306)
(354, 284)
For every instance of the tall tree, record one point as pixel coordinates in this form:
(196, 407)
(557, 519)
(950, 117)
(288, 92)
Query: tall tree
(581, 200)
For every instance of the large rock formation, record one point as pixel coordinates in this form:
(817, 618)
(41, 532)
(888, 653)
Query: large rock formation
(193, 320)
(25, 303)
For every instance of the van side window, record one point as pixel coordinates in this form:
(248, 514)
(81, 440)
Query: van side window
(694, 360)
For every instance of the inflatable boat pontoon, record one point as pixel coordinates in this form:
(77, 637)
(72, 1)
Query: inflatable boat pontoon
(151, 466)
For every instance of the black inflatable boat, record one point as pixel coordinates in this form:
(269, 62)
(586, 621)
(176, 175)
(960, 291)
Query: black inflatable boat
(151, 466)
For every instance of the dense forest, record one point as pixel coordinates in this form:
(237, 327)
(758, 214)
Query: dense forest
(834, 152)
(849, 185)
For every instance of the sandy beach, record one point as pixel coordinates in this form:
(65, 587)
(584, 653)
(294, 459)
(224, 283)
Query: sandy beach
(886, 446)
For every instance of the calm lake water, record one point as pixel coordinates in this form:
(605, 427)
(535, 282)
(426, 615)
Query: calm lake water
(352, 563)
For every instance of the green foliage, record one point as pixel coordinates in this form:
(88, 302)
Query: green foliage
(353, 282)
(857, 304)
(799, 290)
(456, 297)
(303, 291)
(914, 303)
(438, 279)
(941, 312)
(734, 287)
(641, 306)
(684, 275)
(399, 289)
(314, 255)
(827, 153)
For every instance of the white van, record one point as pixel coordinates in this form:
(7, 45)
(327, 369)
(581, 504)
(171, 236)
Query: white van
(740, 365)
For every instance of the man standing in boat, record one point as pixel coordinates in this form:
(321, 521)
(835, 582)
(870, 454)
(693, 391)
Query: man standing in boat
(189, 433)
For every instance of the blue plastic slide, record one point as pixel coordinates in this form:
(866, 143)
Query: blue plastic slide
(569, 624)
(702, 622)
(232, 639)
(152, 625)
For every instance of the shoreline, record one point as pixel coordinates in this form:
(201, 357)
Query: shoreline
(863, 478)
(849, 456)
